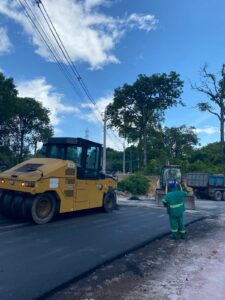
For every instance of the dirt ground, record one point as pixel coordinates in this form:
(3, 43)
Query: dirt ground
(164, 269)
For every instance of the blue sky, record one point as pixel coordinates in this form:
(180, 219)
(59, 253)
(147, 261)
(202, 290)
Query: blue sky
(111, 42)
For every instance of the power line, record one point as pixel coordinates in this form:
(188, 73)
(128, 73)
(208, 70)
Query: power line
(40, 30)
(63, 49)
(51, 47)
(55, 54)
(66, 55)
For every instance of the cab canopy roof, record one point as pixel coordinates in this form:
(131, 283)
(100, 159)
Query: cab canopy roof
(71, 141)
(171, 167)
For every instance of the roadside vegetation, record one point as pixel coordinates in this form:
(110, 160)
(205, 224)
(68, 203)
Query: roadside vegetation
(24, 122)
(137, 113)
(136, 184)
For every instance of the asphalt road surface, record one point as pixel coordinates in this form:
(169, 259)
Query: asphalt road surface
(37, 259)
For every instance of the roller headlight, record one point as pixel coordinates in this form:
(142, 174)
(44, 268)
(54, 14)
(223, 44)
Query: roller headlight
(28, 184)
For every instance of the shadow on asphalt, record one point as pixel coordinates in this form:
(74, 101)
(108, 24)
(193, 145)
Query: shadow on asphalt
(6, 221)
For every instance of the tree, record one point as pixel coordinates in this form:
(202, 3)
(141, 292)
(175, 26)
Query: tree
(114, 160)
(141, 106)
(207, 159)
(8, 93)
(23, 123)
(7, 158)
(214, 89)
(179, 141)
(29, 125)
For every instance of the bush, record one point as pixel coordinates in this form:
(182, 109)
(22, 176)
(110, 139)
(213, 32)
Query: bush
(135, 184)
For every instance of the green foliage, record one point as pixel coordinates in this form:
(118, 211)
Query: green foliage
(7, 158)
(8, 93)
(139, 107)
(114, 161)
(136, 184)
(206, 159)
(23, 123)
(30, 125)
(154, 167)
(179, 141)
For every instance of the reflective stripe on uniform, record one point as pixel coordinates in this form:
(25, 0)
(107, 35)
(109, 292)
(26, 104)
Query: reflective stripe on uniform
(182, 231)
(174, 230)
(176, 205)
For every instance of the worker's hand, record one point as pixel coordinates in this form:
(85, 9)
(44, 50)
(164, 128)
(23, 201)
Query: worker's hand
(165, 203)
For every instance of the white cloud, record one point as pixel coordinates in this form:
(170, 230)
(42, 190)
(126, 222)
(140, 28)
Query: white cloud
(5, 44)
(142, 22)
(207, 130)
(89, 35)
(89, 4)
(46, 94)
(95, 113)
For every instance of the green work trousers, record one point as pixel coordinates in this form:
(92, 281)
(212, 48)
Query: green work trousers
(177, 226)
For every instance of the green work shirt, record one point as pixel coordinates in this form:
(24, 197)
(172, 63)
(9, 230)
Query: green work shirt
(175, 202)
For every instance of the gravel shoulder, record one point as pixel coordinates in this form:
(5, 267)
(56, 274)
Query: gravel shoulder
(164, 269)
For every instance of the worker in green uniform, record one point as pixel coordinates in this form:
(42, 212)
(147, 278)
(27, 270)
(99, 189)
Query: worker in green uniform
(174, 202)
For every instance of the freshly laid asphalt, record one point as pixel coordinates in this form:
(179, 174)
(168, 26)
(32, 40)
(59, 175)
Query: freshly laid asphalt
(35, 260)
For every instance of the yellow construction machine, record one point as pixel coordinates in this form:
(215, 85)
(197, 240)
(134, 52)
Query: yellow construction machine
(172, 173)
(66, 178)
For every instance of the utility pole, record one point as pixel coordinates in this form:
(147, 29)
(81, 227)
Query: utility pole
(86, 133)
(131, 161)
(124, 158)
(104, 144)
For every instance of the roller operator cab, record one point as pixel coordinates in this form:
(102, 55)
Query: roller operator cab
(170, 173)
(66, 178)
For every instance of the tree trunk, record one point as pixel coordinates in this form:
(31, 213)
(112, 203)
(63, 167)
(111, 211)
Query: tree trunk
(21, 146)
(35, 148)
(145, 147)
(222, 136)
(131, 161)
(144, 134)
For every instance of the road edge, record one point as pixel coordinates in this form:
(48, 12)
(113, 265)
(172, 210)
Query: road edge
(110, 260)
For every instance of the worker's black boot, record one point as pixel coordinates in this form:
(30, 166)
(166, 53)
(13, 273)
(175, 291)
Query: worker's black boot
(174, 236)
(183, 236)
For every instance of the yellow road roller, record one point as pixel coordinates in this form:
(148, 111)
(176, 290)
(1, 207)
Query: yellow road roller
(66, 178)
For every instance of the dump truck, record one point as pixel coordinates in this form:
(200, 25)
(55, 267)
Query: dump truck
(207, 186)
(66, 178)
(172, 173)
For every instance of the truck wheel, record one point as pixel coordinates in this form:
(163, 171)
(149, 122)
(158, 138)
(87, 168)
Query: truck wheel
(109, 202)
(1, 200)
(25, 208)
(43, 208)
(6, 204)
(218, 196)
(15, 206)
